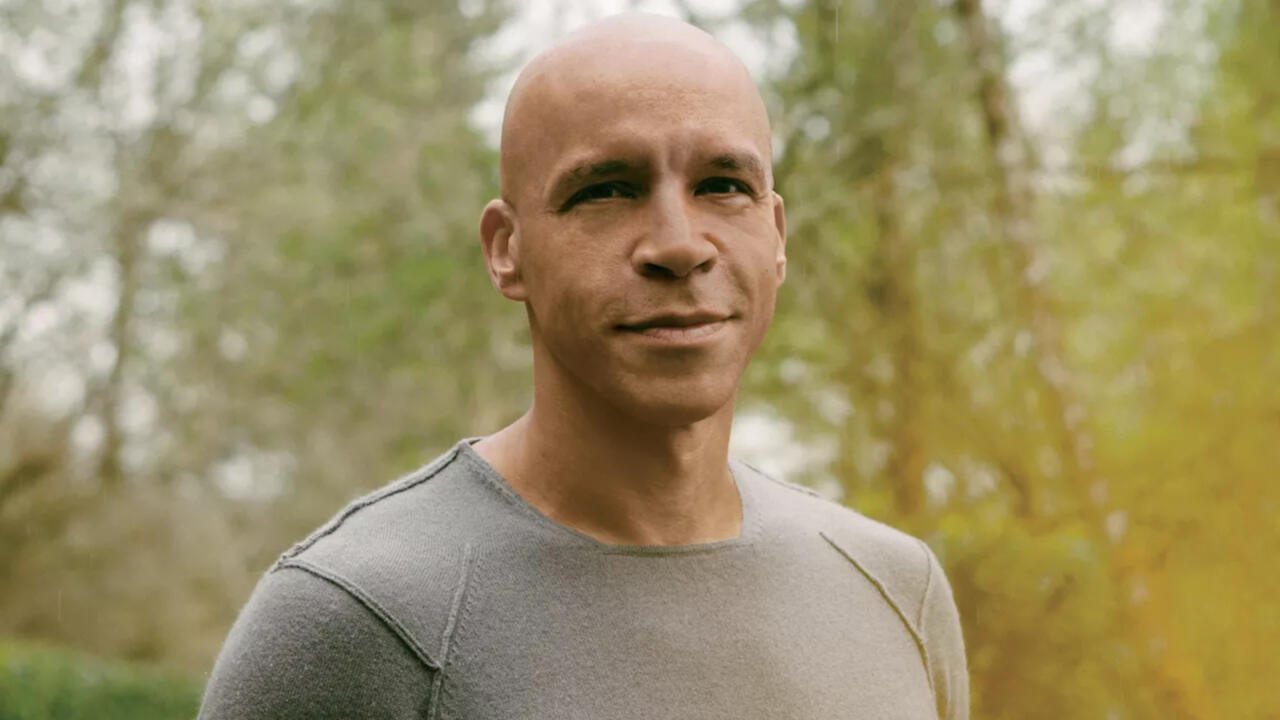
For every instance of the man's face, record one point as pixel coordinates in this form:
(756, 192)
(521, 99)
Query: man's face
(650, 241)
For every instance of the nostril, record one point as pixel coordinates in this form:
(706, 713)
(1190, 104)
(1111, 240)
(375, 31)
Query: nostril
(656, 270)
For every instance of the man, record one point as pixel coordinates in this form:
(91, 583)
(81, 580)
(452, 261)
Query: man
(601, 557)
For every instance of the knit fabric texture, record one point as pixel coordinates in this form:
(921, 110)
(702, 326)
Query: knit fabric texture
(444, 595)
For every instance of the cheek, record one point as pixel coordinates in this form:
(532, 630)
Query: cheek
(573, 285)
(765, 302)
(759, 266)
(759, 280)
(566, 292)
(573, 260)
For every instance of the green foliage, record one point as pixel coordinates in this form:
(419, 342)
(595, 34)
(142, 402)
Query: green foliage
(45, 683)
(1072, 335)
(1051, 351)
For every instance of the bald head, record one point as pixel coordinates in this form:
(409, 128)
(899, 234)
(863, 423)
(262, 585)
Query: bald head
(656, 63)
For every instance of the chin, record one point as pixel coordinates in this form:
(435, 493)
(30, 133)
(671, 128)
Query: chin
(676, 404)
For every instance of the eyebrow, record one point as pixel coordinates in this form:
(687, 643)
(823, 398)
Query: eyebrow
(582, 174)
(598, 169)
(740, 162)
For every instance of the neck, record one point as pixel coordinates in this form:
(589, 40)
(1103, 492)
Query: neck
(587, 465)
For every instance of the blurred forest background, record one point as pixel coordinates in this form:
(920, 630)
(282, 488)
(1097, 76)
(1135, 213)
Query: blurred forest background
(1032, 312)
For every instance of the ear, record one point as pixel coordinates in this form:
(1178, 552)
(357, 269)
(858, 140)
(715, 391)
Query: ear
(780, 223)
(500, 240)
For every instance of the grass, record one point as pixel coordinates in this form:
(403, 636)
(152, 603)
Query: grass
(39, 682)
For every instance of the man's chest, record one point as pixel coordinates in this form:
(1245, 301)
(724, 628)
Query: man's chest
(722, 636)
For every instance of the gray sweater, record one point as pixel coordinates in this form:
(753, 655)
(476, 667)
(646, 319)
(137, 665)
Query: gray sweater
(446, 595)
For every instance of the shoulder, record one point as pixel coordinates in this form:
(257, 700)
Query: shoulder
(899, 564)
(904, 570)
(404, 551)
(387, 516)
(304, 648)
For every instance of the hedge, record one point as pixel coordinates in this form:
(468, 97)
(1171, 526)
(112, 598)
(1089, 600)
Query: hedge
(46, 683)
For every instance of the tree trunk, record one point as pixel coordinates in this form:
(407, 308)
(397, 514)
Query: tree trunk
(126, 242)
(892, 287)
(893, 291)
(1144, 609)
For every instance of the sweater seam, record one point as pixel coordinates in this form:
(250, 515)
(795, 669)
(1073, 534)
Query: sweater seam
(499, 485)
(462, 594)
(893, 604)
(462, 608)
(788, 485)
(370, 604)
(924, 631)
(409, 481)
(433, 712)
(928, 583)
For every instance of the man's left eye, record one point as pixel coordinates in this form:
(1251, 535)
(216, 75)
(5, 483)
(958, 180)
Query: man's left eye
(722, 186)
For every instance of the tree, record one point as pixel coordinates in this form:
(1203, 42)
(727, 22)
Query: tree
(287, 169)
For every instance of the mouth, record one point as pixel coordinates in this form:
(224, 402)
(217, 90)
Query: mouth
(678, 328)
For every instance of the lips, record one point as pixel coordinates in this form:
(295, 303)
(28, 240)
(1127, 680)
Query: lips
(677, 330)
(674, 320)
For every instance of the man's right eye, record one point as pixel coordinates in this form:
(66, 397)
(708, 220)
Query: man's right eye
(600, 191)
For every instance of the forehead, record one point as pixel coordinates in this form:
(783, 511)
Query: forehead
(645, 103)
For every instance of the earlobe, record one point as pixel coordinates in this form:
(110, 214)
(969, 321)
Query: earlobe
(500, 240)
(780, 224)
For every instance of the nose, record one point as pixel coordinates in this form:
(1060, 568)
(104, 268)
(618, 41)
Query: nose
(670, 246)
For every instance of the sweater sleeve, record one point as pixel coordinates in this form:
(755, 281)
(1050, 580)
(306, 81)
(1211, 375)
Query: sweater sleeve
(944, 644)
(303, 647)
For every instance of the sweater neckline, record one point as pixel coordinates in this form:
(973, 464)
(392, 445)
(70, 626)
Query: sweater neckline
(739, 473)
